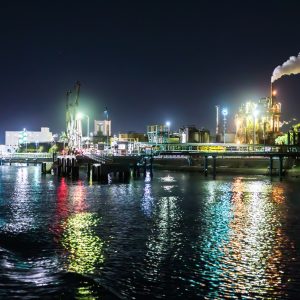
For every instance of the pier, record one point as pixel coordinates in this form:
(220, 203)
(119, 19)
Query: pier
(99, 167)
(213, 157)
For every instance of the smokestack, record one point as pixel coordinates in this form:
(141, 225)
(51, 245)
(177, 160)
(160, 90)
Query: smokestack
(217, 119)
(291, 66)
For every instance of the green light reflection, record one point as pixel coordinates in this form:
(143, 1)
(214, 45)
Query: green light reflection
(85, 248)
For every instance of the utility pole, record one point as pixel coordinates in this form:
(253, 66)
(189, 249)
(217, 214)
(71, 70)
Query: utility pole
(107, 127)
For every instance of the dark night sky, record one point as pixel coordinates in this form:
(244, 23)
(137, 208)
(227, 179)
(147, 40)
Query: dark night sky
(147, 61)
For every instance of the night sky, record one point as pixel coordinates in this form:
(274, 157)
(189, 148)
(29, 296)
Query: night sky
(148, 61)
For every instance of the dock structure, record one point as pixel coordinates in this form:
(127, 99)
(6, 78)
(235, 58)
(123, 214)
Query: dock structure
(101, 168)
(26, 158)
(213, 157)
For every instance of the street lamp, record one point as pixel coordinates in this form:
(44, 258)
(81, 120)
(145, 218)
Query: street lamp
(224, 113)
(79, 117)
(106, 129)
(168, 124)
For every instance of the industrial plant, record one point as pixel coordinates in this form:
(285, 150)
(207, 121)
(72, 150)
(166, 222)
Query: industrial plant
(258, 122)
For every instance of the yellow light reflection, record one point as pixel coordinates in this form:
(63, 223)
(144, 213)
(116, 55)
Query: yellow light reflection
(278, 194)
(84, 246)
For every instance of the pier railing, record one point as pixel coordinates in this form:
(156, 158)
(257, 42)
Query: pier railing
(13, 156)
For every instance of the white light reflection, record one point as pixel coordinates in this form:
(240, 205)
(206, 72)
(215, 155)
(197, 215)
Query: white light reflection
(165, 238)
(167, 178)
(22, 204)
(147, 200)
(253, 251)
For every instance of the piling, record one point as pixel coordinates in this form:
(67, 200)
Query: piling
(43, 168)
(205, 166)
(280, 167)
(94, 173)
(88, 171)
(59, 167)
(103, 173)
(214, 166)
(75, 172)
(271, 166)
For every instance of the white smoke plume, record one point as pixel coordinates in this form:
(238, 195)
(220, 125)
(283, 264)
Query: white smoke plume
(291, 66)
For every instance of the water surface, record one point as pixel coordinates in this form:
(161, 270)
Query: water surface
(178, 235)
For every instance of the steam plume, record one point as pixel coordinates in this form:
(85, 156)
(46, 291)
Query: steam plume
(291, 66)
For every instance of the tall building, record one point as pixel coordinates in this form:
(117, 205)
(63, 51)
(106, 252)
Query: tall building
(258, 122)
(15, 138)
(104, 127)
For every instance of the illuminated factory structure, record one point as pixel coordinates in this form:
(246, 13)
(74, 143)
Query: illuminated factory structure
(258, 122)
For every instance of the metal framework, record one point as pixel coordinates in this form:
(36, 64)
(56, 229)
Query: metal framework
(73, 124)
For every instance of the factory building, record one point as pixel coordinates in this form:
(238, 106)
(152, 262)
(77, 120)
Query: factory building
(103, 127)
(258, 122)
(132, 137)
(15, 138)
(158, 133)
(191, 134)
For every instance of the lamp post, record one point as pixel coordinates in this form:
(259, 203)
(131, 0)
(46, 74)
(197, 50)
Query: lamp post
(168, 131)
(255, 113)
(24, 134)
(224, 113)
(88, 129)
(107, 130)
(264, 135)
(168, 124)
(79, 117)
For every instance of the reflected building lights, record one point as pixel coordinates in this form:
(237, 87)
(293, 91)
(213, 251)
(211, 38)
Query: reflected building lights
(147, 200)
(167, 178)
(164, 239)
(241, 240)
(22, 204)
(253, 239)
(85, 248)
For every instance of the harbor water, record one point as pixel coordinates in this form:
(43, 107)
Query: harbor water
(174, 236)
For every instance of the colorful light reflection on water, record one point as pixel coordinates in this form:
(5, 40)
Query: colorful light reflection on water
(177, 235)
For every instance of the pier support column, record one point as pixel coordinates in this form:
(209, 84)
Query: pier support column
(138, 172)
(59, 166)
(214, 166)
(280, 167)
(126, 175)
(205, 165)
(94, 173)
(271, 166)
(88, 171)
(43, 166)
(151, 166)
(75, 172)
(104, 170)
(134, 172)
